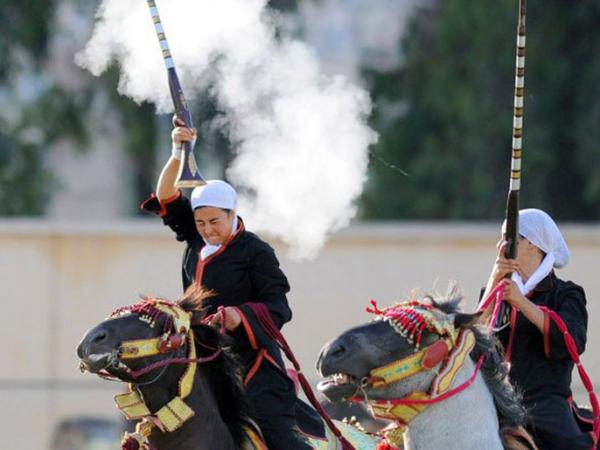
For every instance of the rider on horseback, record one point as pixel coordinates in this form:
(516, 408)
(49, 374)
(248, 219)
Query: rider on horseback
(540, 364)
(237, 267)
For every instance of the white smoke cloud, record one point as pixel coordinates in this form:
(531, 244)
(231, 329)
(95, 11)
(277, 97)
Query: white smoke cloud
(301, 136)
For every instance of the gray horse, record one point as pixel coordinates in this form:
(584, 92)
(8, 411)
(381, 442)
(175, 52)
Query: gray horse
(410, 366)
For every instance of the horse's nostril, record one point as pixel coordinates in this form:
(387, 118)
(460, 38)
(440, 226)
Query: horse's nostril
(99, 337)
(338, 351)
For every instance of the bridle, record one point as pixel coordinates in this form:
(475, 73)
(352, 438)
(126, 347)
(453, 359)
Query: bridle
(446, 356)
(177, 334)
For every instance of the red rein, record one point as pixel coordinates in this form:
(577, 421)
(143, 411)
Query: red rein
(166, 362)
(587, 382)
(430, 401)
(265, 319)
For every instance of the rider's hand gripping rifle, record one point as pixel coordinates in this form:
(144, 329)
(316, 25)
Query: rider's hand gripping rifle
(188, 175)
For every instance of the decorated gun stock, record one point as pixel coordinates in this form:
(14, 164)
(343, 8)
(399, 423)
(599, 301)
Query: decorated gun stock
(188, 175)
(511, 233)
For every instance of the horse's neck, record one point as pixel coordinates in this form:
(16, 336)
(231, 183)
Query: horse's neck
(204, 431)
(466, 421)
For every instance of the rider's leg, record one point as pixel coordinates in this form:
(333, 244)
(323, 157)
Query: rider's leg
(553, 425)
(272, 398)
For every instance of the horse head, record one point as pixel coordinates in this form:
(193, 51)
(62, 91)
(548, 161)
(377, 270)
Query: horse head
(413, 356)
(135, 341)
(396, 354)
(160, 348)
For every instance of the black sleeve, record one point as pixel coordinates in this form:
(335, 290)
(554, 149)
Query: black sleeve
(269, 284)
(571, 309)
(176, 213)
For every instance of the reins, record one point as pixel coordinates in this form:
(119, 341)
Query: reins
(439, 398)
(265, 319)
(587, 382)
(167, 362)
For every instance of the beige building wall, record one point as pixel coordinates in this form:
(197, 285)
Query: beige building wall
(59, 279)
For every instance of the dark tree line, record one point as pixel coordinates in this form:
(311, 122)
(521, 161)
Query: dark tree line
(445, 115)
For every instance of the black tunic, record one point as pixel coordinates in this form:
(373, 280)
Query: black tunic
(541, 366)
(244, 270)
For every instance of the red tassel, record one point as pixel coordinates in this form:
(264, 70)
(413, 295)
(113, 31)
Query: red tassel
(385, 446)
(375, 309)
(130, 443)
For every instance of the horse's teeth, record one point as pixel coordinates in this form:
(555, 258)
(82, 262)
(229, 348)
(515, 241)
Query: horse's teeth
(342, 378)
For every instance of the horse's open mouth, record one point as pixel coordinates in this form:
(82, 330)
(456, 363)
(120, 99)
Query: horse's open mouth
(94, 363)
(338, 386)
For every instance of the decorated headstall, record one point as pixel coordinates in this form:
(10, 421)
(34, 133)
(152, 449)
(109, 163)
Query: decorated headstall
(176, 332)
(411, 320)
(175, 328)
(447, 354)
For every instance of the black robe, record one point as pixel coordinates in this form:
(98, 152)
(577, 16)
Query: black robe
(244, 270)
(540, 365)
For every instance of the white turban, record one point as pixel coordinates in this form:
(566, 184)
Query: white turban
(218, 194)
(215, 193)
(539, 228)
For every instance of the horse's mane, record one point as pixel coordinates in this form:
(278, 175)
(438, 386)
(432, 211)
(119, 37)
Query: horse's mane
(508, 400)
(224, 374)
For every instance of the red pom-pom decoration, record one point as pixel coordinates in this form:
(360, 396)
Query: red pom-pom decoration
(385, 446)
(130, 443)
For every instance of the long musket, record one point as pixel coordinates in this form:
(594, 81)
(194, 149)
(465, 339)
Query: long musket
(511, 234)
(188, 175)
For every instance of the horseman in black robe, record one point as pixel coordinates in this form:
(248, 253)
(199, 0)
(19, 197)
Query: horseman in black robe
(540, 364)
(238, 268)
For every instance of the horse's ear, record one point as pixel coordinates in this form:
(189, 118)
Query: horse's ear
(462, 320)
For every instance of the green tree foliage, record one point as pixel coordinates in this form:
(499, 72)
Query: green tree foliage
(18, 33)
(35, 113)
(445, 115)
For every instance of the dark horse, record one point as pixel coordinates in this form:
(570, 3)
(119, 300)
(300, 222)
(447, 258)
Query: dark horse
(412, 367)
(186, 385)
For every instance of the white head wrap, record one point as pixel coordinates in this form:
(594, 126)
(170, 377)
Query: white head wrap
(539, 229)
(218, 194)
(215, 193)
